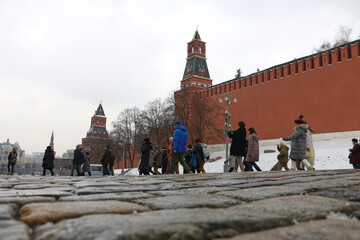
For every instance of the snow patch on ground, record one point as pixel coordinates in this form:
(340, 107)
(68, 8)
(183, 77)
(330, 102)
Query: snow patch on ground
(329, 154)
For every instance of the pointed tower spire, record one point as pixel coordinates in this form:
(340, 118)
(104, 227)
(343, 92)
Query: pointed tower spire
(52, 140)
(196, 35)
(99, 111)
(196, 72)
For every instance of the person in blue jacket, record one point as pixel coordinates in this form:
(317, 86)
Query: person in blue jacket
(178, 148)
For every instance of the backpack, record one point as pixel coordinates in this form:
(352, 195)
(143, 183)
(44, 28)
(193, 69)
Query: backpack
(205, 151)
(193, 161)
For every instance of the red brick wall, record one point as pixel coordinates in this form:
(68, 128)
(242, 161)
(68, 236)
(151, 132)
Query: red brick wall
(326, 94)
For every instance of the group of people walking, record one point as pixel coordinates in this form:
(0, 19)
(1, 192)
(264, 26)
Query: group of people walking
(302, 152)
(244, 153)
(168, 158)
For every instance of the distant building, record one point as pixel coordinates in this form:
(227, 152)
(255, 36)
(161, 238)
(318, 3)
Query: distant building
(69, 154)
(5, 149)
(37, 157)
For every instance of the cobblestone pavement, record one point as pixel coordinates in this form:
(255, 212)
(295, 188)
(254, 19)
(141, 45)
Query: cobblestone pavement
(252, 205)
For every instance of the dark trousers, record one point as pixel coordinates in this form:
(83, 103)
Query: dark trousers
(12, 167)
(145, 172)
(77, 167)
(105, 170)
(250, 166)
(355, 165)
(163, 167)
(51, 170)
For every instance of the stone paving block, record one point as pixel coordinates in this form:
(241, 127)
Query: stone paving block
(126, 196)
(253, 194)
(326, 184)
(313, 230)
(40, 213)
(115, 189)
(164, 224)
(350, 194)
(7, 211)
(24, 200)
(36, 186)
(47, 192)
(188, 201)
(300, 208)
(197, 190)
(83, 184)
(13, 230)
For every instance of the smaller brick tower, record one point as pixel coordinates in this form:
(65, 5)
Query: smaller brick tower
(98, 124)
(97, 136)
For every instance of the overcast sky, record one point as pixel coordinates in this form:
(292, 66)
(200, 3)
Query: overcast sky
(59, 59)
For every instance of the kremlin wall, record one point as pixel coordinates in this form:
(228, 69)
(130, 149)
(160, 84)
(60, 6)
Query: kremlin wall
(324, 87)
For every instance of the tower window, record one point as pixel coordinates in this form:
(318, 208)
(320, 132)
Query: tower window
(200, 48)
(97, 121)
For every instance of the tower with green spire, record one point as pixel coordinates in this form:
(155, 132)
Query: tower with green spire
(196, 74)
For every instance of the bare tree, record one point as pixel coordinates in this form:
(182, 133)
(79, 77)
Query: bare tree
(343, 36)
(129, 129)
(158, 120)
(201, 116)
(325, 45)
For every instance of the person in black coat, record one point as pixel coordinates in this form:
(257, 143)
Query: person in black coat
(238, 145)
(164, 163)
(48, 161)
(198, 151)
(188, 156)
(78, 161)
(145, 155)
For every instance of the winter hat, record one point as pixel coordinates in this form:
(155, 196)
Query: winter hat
(146, 140)
(163, 148)
(300, 119)
(156, 147)
(177, 123)
(107, 146)
(189, 146)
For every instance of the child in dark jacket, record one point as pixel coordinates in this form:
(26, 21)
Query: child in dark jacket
(188, 155)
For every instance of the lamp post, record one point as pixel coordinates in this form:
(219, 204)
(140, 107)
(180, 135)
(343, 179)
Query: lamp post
(227, 98)
(123, 161)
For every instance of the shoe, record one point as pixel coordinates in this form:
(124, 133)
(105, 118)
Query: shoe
(9, 173)
(12, 173)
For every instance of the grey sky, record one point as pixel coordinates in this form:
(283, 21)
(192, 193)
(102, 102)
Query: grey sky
(58, 59)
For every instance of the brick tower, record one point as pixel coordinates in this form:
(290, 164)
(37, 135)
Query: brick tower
(97, 136)
(196, 74)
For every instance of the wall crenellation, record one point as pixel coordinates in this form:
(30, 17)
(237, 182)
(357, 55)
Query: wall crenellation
(340, 54)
